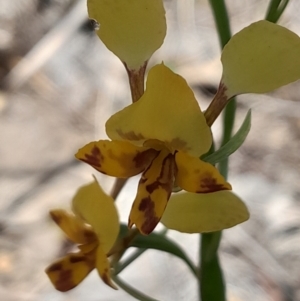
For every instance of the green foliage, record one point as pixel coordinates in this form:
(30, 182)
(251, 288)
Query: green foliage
(158, 242)
(233, 144)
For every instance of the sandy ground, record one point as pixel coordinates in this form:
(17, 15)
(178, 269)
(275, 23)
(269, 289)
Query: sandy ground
(61, 99)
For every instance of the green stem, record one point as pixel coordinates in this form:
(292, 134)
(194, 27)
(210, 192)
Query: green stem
(129, 260)
(131, 291)
(210, 276)
(224, 32)
(275, 10)
(211, 283)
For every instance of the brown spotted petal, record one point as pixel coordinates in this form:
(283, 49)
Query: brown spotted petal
(103, 268)
(154, 191)
(68, 272)
(74, 228)
(116, 158)
(198, 176)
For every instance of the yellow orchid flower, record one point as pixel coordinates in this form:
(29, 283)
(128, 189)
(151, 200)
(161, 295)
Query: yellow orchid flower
(162, 135)
(94, 227)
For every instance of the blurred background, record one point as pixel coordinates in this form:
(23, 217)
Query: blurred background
(58, 86)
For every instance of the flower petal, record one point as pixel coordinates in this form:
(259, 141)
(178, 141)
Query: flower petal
(133, 30)
(103, 268)
(74, 228)
(260, 58)
(88, 248)
(68, 272)
(116, 158)
(167, 111)
(154, 190)
(195, 175)
(197, 213)
(98, 210)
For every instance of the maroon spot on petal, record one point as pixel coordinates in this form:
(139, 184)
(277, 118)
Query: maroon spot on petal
(153, 186)
(95, 158)
(179, 144)
(167, 169)
(65, 281)
(130, 135)
(150, 224)
(165, 181)
(210, 184)
(166, 177)
(56, 218)
(54, 267)
(144, 158)
(89, 235)
(146, 203)
(75, 259)
(151, 220)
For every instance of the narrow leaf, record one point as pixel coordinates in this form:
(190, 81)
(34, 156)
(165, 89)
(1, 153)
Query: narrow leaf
(158, 242)
(233, 144)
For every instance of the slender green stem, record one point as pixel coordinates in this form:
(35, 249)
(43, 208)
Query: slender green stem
(224, 32)
(210, 276)
(131, 291)
(120, 267)
(275, 10)
(211, 284)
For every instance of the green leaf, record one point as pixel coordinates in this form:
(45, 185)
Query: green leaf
(158, 242)
(233, 144)
(260, 58)
(131, 290)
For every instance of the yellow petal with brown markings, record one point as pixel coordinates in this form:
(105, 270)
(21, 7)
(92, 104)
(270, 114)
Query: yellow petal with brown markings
(68, 272)
(116, 158)
(209, 212)
(88, 248)
(195, 175)
(103, 267)
(154, 190)
(74, 228)
(98, 209)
